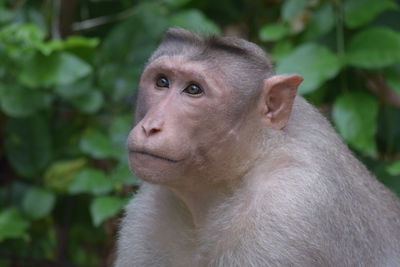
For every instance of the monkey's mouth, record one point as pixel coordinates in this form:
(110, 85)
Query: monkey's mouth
(154, 156)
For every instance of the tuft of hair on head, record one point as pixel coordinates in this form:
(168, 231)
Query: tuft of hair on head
(179, 41)
(181, 35)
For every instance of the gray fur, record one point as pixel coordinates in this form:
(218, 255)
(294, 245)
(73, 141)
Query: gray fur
(306, 202)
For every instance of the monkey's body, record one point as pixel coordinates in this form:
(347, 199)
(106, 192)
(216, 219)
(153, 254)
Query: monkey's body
(302, 200)
(275, 218)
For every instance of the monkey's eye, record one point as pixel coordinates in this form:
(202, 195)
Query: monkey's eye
(193, 89)
(162, 82)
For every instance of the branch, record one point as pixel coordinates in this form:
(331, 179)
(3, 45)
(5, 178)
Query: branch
(55, 20)
(377, 84)
(92, 23)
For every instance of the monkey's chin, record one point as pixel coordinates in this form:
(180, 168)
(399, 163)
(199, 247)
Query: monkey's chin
(154, 169)
(156, 176)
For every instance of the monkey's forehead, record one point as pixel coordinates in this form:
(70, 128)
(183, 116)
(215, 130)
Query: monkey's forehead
(181, 64)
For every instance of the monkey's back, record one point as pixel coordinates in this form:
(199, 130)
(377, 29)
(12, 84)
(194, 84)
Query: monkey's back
(357, 218)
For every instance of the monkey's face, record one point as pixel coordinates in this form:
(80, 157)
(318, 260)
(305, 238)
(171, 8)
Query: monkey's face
(185, 124)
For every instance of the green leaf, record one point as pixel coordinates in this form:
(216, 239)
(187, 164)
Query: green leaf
(374, 48)
(281, 49)
(118, 79)
(394, 168)
(177, 3)
(5, 15)
(17, 101)
(105, 207)
(360, 12)
(314, 62)
(273, 32)
(194, 20)
(30, 36)
(12, 224)
(81, 41)
(322, 22)
(120, 128)
(122, 174)
(355, 115)
(73, 90)
(89, 102)
(118, 132)
(28, 145)
(21, 36)
(38, 202)
(56, 69)
(59, 175)
(124, 51)
(125, 43)
(36, 16)
(291, 8)
(71, 42)
(97, 144)
(90, 181)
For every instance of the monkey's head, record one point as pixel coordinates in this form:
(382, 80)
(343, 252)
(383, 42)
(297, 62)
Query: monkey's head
(202, 108)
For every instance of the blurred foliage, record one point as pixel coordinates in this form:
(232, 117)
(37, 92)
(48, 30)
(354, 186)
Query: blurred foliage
(69, 70)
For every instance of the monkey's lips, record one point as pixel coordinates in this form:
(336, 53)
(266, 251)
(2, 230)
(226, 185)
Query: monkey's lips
(133, 151)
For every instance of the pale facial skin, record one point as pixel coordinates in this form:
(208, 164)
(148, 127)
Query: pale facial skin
(188, 136)
(188, 127)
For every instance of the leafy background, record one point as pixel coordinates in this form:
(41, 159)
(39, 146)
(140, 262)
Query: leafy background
(69, 68)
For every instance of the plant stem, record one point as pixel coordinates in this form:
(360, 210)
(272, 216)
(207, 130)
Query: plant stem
(55, 20)
(99, 21)
(339, 28)
(340, 49)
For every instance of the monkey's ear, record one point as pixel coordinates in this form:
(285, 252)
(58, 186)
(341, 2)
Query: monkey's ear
(277, 99)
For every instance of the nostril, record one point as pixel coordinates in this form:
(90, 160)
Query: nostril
(148, 131)
(154, 131)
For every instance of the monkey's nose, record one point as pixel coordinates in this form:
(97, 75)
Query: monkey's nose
(152, 127)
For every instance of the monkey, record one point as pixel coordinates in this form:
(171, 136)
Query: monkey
(239, 170)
